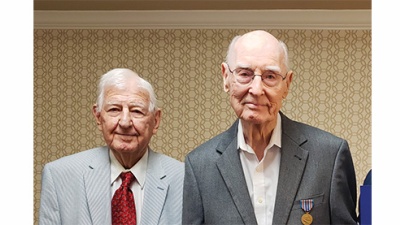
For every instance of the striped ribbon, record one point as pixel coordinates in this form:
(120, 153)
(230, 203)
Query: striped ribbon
(307, 204)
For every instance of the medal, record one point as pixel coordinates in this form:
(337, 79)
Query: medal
(306, 219)
(306, 205)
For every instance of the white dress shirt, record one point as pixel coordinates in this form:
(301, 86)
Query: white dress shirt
(262, 176)
(137, 187)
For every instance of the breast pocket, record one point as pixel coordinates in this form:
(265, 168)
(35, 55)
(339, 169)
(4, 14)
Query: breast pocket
(318, 210)
(316, 199)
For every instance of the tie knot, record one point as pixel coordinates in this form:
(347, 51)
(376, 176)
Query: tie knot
(127, 178)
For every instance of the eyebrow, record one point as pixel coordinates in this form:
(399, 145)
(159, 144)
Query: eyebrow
(275, 69)
(130, 104)
(240, 65)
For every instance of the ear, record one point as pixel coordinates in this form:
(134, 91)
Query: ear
(157, 120)
(96, 116)
(225, 76)
(289, 78)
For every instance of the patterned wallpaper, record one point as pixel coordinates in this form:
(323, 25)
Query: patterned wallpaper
(331, 87)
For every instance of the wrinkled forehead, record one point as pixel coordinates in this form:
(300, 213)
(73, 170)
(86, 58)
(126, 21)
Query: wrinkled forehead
(130, 87)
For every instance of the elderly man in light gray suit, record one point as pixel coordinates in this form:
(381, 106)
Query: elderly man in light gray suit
(266, 168)
(78, 189)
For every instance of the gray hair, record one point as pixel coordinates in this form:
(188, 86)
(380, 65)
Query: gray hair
(231, 53)
(117, 78)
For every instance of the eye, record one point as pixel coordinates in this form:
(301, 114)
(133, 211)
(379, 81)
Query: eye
(270, 76)
(113, 109)
(137, 113)
(244, 72)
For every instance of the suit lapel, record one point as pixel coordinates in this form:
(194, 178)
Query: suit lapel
(231, 171)
(155, 191)
(97, 186)
(293, 162)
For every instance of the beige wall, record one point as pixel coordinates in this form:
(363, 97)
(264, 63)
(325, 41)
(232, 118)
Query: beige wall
(331, 87)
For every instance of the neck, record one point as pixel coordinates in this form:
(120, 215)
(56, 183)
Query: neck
(258, 136)
(128, 159)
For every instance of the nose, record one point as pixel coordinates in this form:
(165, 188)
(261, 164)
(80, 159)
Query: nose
(256, 85)
(125, 120)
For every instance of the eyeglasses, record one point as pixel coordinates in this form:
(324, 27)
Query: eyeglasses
(246, 76)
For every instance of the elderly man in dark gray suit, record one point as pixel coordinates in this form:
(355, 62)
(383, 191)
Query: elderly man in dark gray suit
(267, 168)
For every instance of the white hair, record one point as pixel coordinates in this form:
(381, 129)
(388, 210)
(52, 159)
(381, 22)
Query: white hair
(117, 78)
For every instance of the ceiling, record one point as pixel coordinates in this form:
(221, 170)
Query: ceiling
(200, 5)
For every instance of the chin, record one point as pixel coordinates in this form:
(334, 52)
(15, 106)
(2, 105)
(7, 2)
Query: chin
(253, 119)
(258, 118)
(123, 148)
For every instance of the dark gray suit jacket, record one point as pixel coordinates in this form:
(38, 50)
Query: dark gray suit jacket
(314, 165)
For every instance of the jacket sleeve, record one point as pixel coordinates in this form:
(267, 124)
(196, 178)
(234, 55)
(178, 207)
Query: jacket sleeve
(192, 204)
(343, 198)
(49, 208)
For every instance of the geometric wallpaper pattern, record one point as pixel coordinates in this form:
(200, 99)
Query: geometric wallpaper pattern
(331, 88)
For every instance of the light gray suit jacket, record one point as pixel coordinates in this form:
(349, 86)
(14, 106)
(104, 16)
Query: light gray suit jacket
(76, 190)
(314, 165)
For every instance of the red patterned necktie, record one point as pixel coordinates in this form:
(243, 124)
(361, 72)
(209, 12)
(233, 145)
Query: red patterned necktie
(123, 203)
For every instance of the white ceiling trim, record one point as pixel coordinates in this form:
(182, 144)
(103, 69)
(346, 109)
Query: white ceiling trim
(204, 19)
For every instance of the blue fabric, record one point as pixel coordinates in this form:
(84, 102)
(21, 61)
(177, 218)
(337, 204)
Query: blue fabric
(365, 208)
(368, 178)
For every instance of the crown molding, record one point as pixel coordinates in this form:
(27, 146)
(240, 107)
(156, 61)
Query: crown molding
(204, 19)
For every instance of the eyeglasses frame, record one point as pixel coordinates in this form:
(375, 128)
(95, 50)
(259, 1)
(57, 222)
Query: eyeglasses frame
(254, 75)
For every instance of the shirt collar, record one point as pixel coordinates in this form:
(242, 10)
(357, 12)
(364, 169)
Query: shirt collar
(138, 170)
(276, 137)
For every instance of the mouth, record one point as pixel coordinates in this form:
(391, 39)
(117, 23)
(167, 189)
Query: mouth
(126, 135)
(253, 105)
(127, 138)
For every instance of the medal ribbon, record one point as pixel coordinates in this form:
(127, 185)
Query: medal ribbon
(307, 204)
